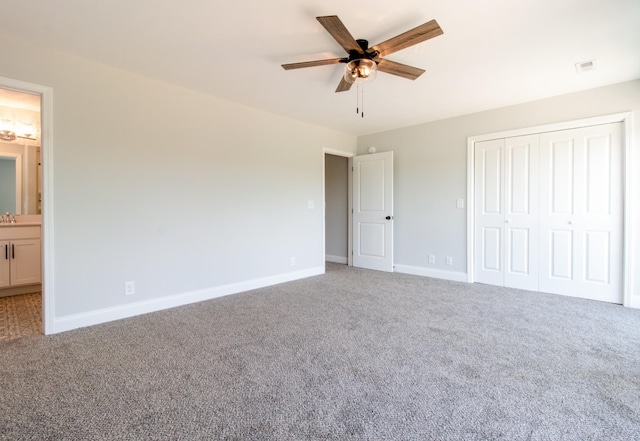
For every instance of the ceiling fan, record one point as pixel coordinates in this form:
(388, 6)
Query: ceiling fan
(363, 61)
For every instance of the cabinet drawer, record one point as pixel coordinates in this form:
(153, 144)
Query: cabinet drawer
(17, 232)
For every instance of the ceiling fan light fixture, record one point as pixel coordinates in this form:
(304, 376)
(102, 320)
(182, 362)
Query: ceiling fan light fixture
(360, 71)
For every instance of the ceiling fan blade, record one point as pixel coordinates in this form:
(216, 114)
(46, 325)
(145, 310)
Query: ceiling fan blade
(340, 33)
(401, 70)
(414, 36)
(343, 86)
(312, 63)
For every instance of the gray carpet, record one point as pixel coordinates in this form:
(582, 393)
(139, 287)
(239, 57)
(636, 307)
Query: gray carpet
(350, 355)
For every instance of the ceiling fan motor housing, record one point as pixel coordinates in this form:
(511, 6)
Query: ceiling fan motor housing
(364, 45)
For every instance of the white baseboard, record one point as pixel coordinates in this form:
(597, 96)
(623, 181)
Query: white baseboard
(336, 259)
(74, 321)
(456, 276)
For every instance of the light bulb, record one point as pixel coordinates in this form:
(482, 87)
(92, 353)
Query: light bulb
(359, 71)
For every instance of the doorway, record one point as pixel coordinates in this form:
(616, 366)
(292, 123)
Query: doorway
(336, 212)
(369, 209)
(25, 114)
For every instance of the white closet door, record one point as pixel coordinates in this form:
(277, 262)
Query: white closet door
(521, 212)
(489, 212)
(581, 212)
(506, 183)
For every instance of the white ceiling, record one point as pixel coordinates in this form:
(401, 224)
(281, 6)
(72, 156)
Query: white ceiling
(493, 53)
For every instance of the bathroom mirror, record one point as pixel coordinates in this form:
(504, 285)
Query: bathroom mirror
(10, 185)
(19, 179)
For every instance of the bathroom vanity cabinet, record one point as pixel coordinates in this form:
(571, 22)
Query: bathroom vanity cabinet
(20, 255)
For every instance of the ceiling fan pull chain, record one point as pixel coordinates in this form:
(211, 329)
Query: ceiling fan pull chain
(357, 99)
(362, 102)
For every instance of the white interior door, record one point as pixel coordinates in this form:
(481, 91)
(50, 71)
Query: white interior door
(521, 212)
(489, 212)
(506, 224)
(549, 212)
(581, 212)
(373, 211)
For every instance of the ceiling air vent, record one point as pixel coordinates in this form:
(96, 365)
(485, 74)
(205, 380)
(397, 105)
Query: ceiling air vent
(585, 66)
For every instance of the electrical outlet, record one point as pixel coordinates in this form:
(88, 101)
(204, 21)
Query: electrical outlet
(432, 258)
(293, 261)
(129, 288)
(460, 203)
(449, 260)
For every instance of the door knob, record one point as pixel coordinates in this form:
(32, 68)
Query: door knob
(388, 218)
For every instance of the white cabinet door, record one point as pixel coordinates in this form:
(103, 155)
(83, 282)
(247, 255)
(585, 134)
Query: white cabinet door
(25, 262)
(581, 212)
(5, 255)
(373, 211)
(506, 198)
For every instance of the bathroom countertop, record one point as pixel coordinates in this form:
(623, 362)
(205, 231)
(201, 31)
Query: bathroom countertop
(20, 224)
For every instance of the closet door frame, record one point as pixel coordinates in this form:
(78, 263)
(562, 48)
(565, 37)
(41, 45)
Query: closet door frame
(626, 120)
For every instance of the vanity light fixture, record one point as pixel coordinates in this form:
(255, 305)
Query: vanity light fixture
(8, 130)
(28, 131)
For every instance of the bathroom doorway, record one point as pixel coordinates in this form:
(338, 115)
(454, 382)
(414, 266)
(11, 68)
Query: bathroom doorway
(23, 297)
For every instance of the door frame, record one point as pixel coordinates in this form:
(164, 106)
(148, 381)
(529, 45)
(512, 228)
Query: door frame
(349, 156)
(46, 158)
(628, 231)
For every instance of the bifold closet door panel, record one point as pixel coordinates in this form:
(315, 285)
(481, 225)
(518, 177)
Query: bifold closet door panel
(581, 215)
(489, 212)
(521, 212)
(506, 205)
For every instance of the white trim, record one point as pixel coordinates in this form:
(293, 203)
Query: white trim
(626, 119)
(46, 148)
(91, 318)
(336, 152)
(629, 234)
(564, 125)
(336, 259)
(18, 158)
(471, 203)
(455, 276)
(328, 151)
(350, 211)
